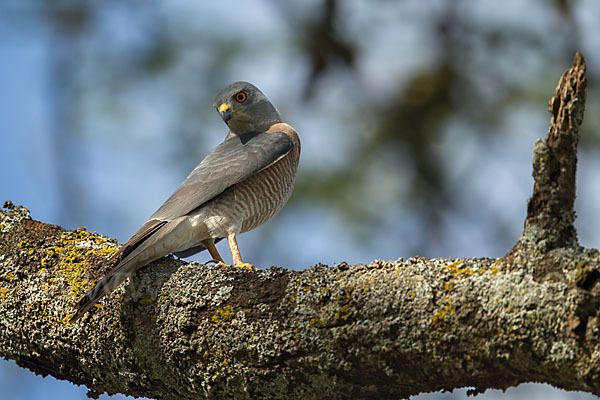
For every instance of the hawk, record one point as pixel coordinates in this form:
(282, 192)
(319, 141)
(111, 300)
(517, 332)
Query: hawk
(240, 185)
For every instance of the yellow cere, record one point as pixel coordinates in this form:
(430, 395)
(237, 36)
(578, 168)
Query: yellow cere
(224, 108)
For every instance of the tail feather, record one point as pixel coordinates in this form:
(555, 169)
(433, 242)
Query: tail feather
(106, 285)
(141, 252)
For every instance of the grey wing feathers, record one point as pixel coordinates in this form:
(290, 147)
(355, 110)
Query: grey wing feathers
(148, 229)
(229, 163)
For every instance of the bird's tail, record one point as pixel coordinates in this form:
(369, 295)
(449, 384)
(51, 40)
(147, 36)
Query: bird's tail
(139, 251)
(104, 286)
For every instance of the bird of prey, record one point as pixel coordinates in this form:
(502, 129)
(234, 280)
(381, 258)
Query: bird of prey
(241, 184)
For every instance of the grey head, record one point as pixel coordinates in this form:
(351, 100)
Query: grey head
(245, 109)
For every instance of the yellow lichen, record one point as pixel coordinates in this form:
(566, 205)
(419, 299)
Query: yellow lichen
(222, 315)
(441, 314)
(346, 293)
(453, 265)
(66, 319)
(463, 271)
(146, 301)
(291, 302)
(105, 252)
(69, 263)
(3, 294)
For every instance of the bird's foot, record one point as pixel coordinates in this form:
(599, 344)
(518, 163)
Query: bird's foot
(247, 266)
(215, 261)
(222, 264)
(239, 265)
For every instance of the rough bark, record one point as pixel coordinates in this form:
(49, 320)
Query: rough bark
(388, 329)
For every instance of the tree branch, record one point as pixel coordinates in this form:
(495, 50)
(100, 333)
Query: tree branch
(382, 330)
(550, 210)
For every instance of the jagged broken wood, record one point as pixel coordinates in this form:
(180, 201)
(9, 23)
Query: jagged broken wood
(388, 329)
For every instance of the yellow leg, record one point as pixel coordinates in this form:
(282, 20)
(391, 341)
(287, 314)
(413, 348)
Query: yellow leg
(210, 246)
(235, 252)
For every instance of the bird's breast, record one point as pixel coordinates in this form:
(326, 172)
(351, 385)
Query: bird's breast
(255, 200)
(262, 195)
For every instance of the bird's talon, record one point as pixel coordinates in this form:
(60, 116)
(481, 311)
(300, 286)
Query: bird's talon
(222, 264)
(247, 266)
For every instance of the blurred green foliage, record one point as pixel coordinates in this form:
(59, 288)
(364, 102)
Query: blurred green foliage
(469, 69)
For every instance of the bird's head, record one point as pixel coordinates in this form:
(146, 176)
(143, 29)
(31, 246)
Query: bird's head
(245, 109)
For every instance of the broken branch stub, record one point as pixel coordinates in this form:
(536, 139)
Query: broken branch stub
(550, 210)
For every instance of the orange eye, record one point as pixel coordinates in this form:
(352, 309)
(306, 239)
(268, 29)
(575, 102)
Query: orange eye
(241, 97)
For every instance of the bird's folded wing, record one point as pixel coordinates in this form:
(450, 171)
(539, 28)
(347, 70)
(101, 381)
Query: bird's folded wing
(233, 161)
(146, 230)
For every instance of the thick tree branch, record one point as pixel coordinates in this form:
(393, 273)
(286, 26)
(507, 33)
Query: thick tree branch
(388, 329)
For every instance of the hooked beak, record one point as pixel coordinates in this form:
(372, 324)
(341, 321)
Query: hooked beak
(225, 112)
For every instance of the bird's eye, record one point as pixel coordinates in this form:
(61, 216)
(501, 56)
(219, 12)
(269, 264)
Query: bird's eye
(241, 97)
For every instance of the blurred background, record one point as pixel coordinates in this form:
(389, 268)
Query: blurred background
(417, 121)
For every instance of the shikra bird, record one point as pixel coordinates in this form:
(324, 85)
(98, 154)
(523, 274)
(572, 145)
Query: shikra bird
(240, 185)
